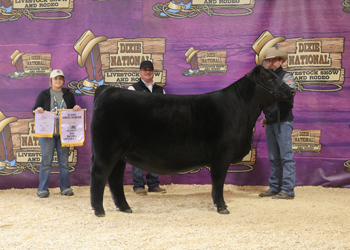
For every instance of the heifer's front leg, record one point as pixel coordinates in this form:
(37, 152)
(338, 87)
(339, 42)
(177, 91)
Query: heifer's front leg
(98, 182)
(116, 187)
(218, 175)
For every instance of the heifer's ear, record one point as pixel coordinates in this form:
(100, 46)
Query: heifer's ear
(260, 67)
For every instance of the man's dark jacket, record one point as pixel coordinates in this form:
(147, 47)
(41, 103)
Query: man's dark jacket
(140, 86)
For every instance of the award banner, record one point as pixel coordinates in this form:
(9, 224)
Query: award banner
(72, 127)
(44, 124)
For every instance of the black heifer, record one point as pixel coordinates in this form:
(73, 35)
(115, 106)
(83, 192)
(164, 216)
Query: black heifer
(168, 134)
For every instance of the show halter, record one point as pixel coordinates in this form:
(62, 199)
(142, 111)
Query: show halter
(274, 94)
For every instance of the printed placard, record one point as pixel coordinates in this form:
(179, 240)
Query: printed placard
(36, 157)
(40, 4)
(33, 9)
(130, 77)
(222, 2)
(316, 75)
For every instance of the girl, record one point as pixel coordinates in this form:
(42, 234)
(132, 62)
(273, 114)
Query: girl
(53, 99)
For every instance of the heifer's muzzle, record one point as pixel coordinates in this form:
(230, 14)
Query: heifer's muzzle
(293, 92)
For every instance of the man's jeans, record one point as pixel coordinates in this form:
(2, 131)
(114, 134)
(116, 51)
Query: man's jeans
(139, 181)
(281, 154)
(48, 146)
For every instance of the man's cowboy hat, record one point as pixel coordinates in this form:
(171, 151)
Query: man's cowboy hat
(5, 120)
(190, 53)
(15, 56)
(265, 41)
(85, 44)
(273, 52)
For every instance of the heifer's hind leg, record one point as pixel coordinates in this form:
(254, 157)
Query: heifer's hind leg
(218, 175)
(98, 182)
(116, 187)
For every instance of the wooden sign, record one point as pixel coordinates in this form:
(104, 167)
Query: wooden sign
(306, 141)
(121, 59)
(212, 62)
(37, 64)
(315, 61)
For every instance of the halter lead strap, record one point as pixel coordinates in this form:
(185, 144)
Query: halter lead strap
(272, 92)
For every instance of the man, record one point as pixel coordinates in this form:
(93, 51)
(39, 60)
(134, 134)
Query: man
(279, 145)
(146, 84)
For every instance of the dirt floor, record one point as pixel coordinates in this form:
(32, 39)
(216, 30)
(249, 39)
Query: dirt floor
(183, 218)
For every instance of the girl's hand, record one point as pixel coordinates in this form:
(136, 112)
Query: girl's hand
(76, 108)
(39, 110)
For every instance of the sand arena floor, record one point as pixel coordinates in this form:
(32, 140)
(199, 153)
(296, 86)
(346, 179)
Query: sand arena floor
(183, 218)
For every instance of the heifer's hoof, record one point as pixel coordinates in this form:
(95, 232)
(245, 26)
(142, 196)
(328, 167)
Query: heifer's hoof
(223, 211)
(128, 210)
(99, 213)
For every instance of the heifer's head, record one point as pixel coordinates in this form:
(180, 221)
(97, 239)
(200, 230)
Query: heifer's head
(270, 82)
